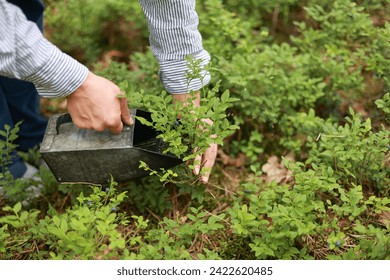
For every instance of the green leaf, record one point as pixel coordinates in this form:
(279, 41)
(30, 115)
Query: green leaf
(17, 207)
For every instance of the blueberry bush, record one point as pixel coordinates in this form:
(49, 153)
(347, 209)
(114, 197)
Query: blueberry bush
(299, 98)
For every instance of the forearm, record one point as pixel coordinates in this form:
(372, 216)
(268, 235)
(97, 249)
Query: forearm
(25, 54)
(174, 35)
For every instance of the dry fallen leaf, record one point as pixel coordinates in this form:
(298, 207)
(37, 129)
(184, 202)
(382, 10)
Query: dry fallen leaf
(276, 172)
(112, 55)
(385, 218)
(387, 160)
(239, 161)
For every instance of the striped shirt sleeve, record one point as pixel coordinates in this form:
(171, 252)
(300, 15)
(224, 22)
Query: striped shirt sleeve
(25, 54)
(173, 27)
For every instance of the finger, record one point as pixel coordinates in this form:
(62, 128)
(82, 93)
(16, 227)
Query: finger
(125, 112)
(116, 130)
(208, 161)
(197, 162)
(116, 127)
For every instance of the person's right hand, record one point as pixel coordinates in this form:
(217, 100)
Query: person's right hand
(96, 105)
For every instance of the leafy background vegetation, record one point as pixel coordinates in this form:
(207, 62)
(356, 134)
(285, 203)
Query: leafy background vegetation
(300, 101)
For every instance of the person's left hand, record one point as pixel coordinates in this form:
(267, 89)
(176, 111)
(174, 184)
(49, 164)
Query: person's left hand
(205, 162)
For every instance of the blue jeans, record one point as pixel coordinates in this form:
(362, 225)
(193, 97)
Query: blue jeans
(19, 100)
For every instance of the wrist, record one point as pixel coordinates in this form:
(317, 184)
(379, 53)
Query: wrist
(186, 99)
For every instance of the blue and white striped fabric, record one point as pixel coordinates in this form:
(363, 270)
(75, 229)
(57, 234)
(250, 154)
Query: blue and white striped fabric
(26, 55)
(173, 26)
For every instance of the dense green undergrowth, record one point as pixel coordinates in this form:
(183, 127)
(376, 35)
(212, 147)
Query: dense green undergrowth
(300, 103)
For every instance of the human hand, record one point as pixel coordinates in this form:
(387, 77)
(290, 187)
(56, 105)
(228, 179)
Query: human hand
(96, 105)
(202, 163)
(205, 162)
